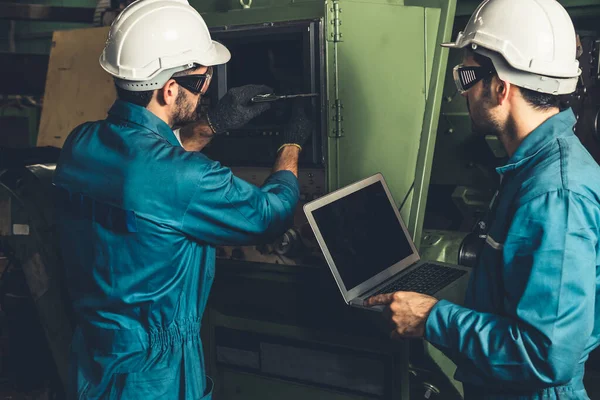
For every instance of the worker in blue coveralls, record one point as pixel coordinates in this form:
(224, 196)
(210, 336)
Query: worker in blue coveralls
(140, 216)
(531, 313)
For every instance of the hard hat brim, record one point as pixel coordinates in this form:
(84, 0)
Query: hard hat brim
(221, 55)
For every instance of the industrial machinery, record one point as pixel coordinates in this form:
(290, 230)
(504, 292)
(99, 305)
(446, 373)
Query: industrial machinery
(32, 293)
(287, 56)
(312, 55)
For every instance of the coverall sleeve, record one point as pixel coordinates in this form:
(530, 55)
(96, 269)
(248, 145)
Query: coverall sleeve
(549, 294)
(226, 210)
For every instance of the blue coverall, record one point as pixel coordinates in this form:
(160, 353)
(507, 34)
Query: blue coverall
(532, 314)
(139, 219)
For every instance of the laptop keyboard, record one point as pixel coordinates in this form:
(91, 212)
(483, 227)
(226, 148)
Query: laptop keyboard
(427, 279)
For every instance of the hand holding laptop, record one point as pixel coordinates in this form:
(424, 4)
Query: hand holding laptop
(407, 311)
(374, 260)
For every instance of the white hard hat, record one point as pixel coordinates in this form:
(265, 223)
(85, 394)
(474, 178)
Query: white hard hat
(153, 39)
(532, 43)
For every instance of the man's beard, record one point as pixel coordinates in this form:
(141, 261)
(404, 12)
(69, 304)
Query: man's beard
(482, 121)
(185, 111)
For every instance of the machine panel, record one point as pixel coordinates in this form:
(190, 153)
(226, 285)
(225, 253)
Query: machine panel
(286, 57)
(586, 100)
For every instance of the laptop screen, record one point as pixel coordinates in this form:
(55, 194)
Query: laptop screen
(363, 234)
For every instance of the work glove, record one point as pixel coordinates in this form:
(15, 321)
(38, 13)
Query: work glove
(235, 109)
(299, 129)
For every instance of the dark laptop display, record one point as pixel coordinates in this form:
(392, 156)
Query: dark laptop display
(363, 234)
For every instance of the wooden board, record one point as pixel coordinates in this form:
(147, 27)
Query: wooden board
(77, 88)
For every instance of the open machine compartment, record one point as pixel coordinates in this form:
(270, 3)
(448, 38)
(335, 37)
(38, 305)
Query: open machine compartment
(288, 57)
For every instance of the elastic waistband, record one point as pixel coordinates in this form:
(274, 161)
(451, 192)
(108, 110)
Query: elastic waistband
(132, 340)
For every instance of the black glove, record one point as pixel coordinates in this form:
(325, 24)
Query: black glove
(299, 129)
(235, 110)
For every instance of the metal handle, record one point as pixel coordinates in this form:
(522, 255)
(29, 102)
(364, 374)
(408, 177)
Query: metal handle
(263, 98)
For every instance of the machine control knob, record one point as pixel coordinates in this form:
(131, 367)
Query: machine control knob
(431, 391)
(289, 244)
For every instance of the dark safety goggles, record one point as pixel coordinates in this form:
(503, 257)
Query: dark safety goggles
(195, 83)
(467, 77)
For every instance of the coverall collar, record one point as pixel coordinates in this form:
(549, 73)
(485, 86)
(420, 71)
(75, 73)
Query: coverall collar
(141, 116)
(559, 125)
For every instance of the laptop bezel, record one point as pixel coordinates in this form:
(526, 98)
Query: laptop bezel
(352, 293)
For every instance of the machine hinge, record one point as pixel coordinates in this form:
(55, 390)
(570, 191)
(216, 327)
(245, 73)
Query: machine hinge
(335, 21)
(338, 118)
(335, 37)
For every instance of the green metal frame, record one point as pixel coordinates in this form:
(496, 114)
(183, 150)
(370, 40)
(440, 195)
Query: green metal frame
(377, 79)
(431, 119)
(279, 11)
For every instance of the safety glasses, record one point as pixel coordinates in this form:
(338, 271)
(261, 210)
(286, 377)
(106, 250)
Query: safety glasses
(195, 83)
(467, 77)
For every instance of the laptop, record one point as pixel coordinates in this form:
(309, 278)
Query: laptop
(369, 250)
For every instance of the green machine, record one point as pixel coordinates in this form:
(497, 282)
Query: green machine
(276, 326)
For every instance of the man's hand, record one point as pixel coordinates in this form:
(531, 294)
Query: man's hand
(299, 129)
(235, 109)
(407, 311)
(295, 134)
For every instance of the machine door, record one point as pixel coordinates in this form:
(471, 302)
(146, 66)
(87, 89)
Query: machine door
(376, 78)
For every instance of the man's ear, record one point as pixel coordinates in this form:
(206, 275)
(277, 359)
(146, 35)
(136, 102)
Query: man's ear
(169, 92)
(502, 90)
